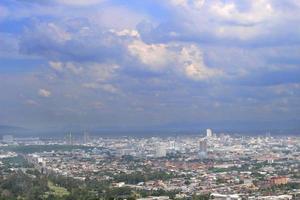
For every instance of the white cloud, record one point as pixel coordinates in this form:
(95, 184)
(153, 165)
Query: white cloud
(156, 56)
(44, 93)
(80, 2)
(109, 88)
(126, 32)
(178, 57)
(75, 69)
(71, 67)
(57, 66)
(90, 85)
(192, 59)
(186, 3)
(198, 72)
(230, 19)
(102, 71)
(31, 102)
(102, 86)
(57, 33)
(259, 11)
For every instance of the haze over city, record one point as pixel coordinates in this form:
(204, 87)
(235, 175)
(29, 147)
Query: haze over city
(173, 65)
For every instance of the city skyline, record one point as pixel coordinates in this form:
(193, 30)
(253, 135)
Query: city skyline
(174, 65)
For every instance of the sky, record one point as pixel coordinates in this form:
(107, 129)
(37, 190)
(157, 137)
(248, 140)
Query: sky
(150, 64)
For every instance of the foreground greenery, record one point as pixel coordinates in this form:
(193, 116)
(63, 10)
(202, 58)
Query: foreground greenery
(31, 185)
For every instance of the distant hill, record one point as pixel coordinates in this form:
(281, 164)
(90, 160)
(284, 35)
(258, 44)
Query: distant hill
(6, 129)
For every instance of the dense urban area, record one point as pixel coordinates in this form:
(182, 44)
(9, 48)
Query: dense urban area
(210, 166)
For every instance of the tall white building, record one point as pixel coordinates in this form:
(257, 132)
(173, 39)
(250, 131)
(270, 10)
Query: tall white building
(209, 133)
(160, 151)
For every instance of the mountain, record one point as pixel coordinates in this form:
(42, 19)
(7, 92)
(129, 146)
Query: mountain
(7, 129)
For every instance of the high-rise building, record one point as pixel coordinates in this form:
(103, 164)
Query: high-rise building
(69, 139)
(86, 137)
(203, 148)
(160, 151)
(209, 133)
(203, 145)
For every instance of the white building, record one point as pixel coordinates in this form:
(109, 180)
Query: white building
(160, 151)
(209, 133)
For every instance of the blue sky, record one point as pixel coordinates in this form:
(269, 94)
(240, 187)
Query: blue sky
(121, 65)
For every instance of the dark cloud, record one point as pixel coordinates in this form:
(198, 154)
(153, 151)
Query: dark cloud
(80, 44)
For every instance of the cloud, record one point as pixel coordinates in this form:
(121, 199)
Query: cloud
(120, 48)
(57, 66)
(80, 2)
(156, 56)
(81, 43)
(177, 57)
(186, 3)
(102, 72)
(31, 102)
(44, 93)
(227, 23)
(90, 85)
(109, 88)
(183, 60)
(259, 11)
(126, 33)
(102, 86)
(192, 59)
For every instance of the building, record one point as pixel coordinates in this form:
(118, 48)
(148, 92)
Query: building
(225, 197)
(209, 133)
(203, 149)
(281, 180)
(160, 151)
(86, 137)
(69, 139)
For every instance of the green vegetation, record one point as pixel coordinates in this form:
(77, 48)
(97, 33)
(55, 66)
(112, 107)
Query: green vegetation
(22, 186)
(16, 162)
(201, 197)
(160, 192)
(34, 185)
(285, 188)
(56, 191)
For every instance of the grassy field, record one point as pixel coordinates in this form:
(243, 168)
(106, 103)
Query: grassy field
(56, 190)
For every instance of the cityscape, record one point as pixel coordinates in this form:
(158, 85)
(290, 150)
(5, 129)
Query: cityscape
(205, 166)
